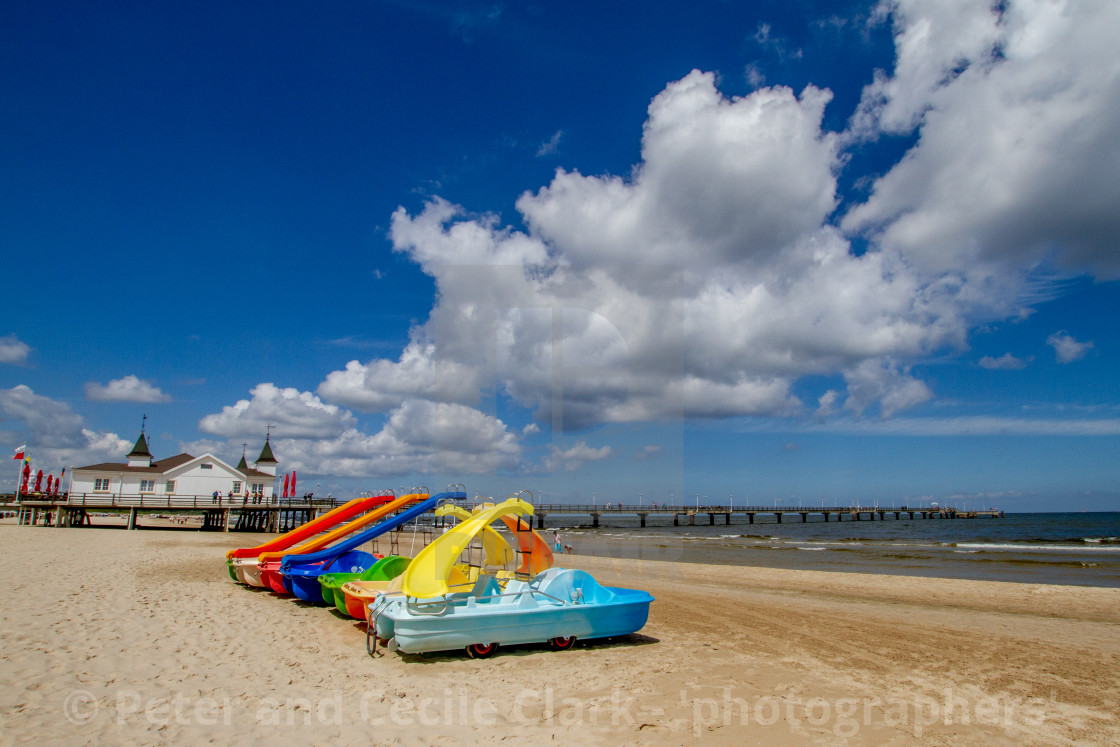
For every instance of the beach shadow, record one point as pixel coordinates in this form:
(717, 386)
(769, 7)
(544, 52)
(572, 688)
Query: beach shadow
(530, 649)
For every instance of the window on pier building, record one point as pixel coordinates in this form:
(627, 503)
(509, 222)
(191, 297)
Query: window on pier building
(101, 483)
(169, 487)
(147, 486)
(258, 488)
(236, 487)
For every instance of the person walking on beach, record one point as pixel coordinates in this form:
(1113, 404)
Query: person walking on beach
(557, 545)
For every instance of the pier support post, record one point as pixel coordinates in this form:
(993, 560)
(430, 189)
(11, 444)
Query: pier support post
(804, 517)
(711, 519)
(727, 519)
(692, 520)
(750, 517)
(826, 517)
(676, 520)
(643, 519)
(595, 519)
(540, 520)
(132, 518)
(779, 515)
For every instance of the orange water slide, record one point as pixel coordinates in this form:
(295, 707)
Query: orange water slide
(325, 540)
(536, 555)
(345, 512)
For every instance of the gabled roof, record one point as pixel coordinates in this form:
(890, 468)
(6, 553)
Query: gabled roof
(141, 447)
(163, 465)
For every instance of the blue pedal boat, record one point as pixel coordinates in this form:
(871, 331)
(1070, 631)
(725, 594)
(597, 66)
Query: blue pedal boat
(557, 606)
(304, 578)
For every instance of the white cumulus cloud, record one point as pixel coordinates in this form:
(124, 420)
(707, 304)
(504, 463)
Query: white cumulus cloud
(1067, 348)
(1006, 362)
(712, 277)
(13, 350)
(574, 457)
(419, 437)
(294, 414)
(127, 389)
(1018, 157)
(57, 436)
(702, 285)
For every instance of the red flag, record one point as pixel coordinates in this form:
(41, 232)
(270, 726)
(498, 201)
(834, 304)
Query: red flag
(19, 452)
(38, 480)
(50, 482)
(293, 483)
(286, 478)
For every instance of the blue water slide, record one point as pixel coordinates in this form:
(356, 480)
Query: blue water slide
(304, 570)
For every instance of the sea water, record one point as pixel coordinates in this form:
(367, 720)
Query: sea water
(1055, 548)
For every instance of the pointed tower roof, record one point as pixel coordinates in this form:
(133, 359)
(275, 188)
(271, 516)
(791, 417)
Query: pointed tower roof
(266, 454)
(141, 447)
(266, 462)
(140, 456)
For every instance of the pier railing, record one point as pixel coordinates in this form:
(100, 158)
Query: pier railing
(180, 502)
(660, 508)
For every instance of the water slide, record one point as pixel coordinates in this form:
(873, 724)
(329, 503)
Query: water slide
(265, 570)
(536, 554)
(343, 513)
(304, 569)
(427, 576)
(496, 550)
(328, 539)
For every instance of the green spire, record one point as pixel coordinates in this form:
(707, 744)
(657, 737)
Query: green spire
(266, 454)
(141, 447)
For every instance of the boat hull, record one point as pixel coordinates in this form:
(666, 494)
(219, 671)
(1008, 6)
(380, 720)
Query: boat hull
(271, 577)
(304, 580)
(356, 597)
(247, 571)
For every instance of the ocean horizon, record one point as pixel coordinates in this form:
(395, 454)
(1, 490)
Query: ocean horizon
(1073, 548)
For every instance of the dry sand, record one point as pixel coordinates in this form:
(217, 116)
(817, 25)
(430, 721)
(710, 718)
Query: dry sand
(111, 636)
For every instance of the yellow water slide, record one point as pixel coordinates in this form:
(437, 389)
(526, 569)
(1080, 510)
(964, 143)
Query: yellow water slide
(495, 548)
(428, 575)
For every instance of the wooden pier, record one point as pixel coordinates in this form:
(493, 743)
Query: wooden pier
(281, 515)
(842, 513)
(218, 515)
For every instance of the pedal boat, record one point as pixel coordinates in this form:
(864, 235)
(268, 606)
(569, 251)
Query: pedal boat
(303, 579)
(558, 606)
(384, 570)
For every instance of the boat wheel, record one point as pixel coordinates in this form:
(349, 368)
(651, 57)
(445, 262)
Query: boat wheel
(562, 644)
(481, 650)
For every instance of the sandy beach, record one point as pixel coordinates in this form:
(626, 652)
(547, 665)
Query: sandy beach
(111, 636)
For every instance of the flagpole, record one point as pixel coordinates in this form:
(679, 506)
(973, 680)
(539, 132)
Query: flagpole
(19, 472)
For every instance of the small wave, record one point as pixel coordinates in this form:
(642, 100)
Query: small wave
(1035, 548)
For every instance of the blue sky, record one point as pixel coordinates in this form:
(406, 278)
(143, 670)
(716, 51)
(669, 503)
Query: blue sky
(798, 251)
